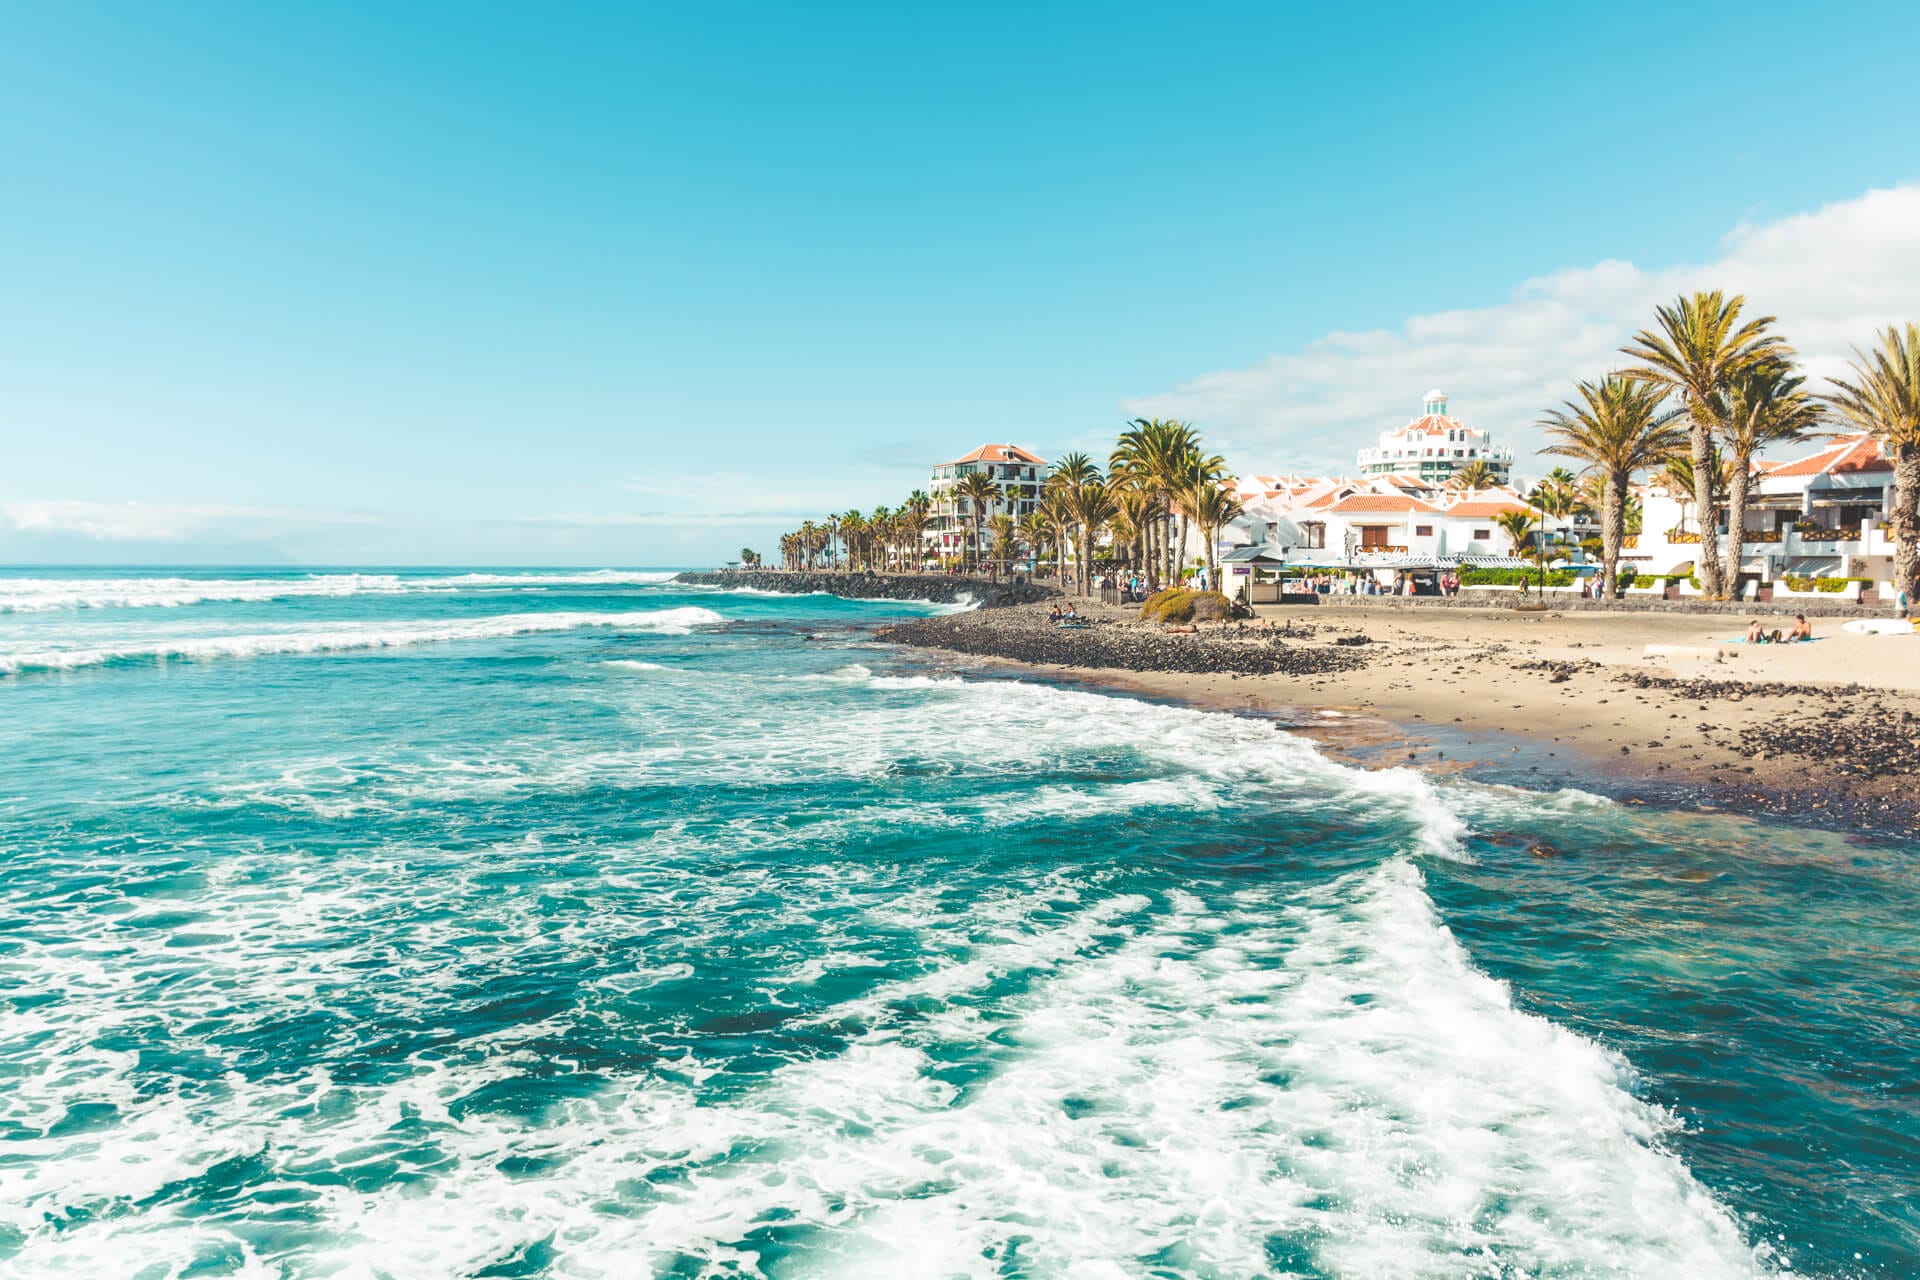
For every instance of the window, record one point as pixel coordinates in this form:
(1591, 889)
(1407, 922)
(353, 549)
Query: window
(1373, 535)
(1315, 534)
(1423, 531)
(1481, 535)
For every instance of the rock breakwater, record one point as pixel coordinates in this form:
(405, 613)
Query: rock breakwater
(1109, 644)
(935, 589)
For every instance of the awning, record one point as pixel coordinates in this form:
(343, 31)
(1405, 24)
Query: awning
(1495, 562)
(1262, 553)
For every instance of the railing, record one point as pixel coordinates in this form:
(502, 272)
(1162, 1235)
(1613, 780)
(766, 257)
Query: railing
(1682, 535)
(1828, 535)
(1629, 542)
(1383, 549)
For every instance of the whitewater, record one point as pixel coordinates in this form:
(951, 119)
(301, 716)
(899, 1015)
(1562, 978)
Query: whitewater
(540, 923)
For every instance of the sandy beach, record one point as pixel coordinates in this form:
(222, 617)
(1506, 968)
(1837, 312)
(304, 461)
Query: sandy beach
(1826, 733)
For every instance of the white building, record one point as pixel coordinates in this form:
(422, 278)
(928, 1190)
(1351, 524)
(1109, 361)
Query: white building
(1821, 515)
(1385, 522)
(951, 526)
(1433, 446)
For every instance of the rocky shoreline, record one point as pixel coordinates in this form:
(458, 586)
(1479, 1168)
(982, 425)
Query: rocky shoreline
(931, 588)
(1109, 643)
(1842, 756)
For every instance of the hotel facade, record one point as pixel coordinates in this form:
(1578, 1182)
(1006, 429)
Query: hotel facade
(1017, 473)
(1433, 446)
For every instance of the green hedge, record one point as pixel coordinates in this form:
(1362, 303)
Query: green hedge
(1832, 585)
(1471, 577)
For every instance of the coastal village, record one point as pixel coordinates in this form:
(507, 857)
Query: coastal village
(1600, 607)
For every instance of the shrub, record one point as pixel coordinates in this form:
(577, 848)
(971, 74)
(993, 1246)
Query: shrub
(1795, 582)
(1176, 605)
(1154, 605)
(1471, 577)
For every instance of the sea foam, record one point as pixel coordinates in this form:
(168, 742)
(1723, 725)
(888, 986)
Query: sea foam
(679, 621)
(32, 595)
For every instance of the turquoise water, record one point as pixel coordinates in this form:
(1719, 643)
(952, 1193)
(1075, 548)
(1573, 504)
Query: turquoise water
(545, 924)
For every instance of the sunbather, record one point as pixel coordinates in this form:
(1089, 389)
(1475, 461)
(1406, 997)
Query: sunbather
(1802, 629)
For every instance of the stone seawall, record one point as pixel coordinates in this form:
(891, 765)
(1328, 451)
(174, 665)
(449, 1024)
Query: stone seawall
(1481, 598)
(935, 589)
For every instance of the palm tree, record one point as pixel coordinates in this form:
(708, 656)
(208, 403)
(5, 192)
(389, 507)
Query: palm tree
(1056, 507)
(853, 530)
(1211, 506)
(1091, 506)
(1006, 536)
(1035, 531)
(1765, 405)
(1156, 457)
(1677, 477)
(1477, 474)
(1130, 522)
(1699, 349)
(879, 536)
(1883, 397)
(977, 489)
(913, 523)
(1517, 525)
(1616, 429)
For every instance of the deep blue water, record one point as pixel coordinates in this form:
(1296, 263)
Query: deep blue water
(544, 924)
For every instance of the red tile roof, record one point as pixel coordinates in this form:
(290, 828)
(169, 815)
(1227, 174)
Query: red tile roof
(1381, 503)
(1433, 424)
(1848, 453)
(1472, 510)
(999, 453)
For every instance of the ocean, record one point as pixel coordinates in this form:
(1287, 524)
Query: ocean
(580, 924)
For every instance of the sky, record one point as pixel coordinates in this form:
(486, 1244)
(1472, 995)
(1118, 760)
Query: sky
(628, 284)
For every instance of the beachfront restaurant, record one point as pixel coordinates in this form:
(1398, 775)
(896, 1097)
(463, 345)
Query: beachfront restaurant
(1265, 573)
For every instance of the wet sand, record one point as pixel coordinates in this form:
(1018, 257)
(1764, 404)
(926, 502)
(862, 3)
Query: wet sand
(1825, 733)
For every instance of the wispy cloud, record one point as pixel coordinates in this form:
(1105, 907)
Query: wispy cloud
(161, 522)
(1832, 276)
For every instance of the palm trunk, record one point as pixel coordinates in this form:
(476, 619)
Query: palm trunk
(1903, 516)
(1709, 558)
(1737, 489)
(1613, 532)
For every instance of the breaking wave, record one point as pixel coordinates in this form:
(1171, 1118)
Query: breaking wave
(33, 595)
(337, 639)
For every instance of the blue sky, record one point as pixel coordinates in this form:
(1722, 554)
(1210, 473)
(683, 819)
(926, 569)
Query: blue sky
(626, 284)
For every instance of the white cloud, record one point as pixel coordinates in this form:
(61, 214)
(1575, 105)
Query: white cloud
(156, 522)
(1832, 277)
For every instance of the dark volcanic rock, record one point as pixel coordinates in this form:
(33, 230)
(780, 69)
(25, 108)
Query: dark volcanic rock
(879, 586)
(1029, 637)
(1735, 690)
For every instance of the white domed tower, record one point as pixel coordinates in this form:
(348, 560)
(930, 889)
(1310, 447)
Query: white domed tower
(1433, 446)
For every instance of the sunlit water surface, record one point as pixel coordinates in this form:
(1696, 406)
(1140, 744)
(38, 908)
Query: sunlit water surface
(546, 924)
